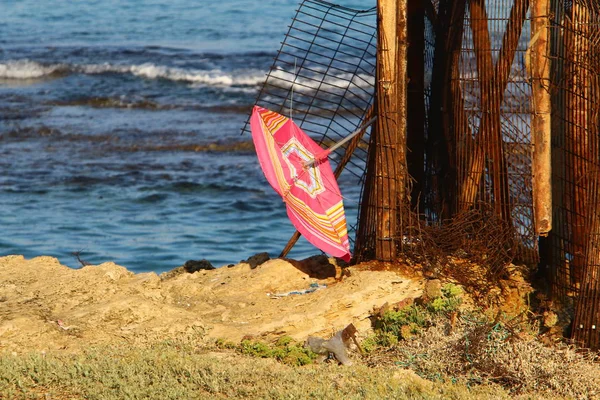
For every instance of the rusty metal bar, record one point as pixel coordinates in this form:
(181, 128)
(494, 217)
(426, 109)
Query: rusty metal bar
(538, 62)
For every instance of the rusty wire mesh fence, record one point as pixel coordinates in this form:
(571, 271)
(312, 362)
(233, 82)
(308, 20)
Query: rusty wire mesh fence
(475, 193)
(573, 257)
(468, 143)
(481, 142)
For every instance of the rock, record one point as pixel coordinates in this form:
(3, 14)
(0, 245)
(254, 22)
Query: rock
(341, 263)
(172, 273)
(336, 345)
(257, 259)
(318, 267)
(409, 301)
(315, 344)
(192, 266)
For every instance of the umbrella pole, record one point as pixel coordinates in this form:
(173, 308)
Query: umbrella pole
(290, 244)
(341, 143)
(350, 136)
(355, 137)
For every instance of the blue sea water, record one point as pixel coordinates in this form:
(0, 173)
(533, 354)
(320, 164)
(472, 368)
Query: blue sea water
(120, 131)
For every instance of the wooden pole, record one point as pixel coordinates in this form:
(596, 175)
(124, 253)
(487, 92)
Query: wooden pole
(538, 62)
(446, 96)
(387, 123)
(385, 192)
(390, 157)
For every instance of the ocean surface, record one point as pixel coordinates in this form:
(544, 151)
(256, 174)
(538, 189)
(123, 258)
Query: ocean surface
(120, 131)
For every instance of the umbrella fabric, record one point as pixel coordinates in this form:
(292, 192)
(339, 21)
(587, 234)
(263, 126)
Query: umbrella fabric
(298, 169)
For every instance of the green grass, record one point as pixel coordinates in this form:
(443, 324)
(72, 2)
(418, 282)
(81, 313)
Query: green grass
(285, 350)
(178, 370)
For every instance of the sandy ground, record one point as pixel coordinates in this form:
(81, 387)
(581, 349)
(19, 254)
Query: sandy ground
(47, 306)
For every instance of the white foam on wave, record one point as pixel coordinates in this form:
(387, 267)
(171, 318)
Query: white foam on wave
(198, 77)
(25, 69)
(246, 79)
(318, 80)
(211, 78)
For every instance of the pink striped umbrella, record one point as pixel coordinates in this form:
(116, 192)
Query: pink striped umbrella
(298, 169)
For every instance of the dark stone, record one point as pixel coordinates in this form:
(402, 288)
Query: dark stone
(192, 266)
(257, 259)
(341, 263)
(316, 267)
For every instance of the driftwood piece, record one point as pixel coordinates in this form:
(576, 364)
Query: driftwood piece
(337, 345)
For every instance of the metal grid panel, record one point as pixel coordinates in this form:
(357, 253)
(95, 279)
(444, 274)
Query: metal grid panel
(575, 240)
(471, 151)
(323, 75)
(479, 152)
(493, 142)
(323, 78)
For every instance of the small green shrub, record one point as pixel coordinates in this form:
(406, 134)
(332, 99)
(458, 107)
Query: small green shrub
(450, 301)
(451, 290)
(410, 331)
(284, 341)
(393, 321)
(411, 321)
(256, 349)
(285, 350)
(370, 343)
(225, 344)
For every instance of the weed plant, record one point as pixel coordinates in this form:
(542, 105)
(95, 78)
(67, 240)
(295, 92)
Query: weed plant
(410, 321)
(285, 349)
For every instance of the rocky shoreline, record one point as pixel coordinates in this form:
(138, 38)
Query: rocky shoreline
(47, 306)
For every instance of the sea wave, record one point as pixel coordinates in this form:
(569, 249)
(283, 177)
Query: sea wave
(241, 79)
(26, 69)
(320, 79)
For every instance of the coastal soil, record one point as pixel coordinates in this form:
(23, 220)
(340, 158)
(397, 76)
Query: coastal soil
(46, 306)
